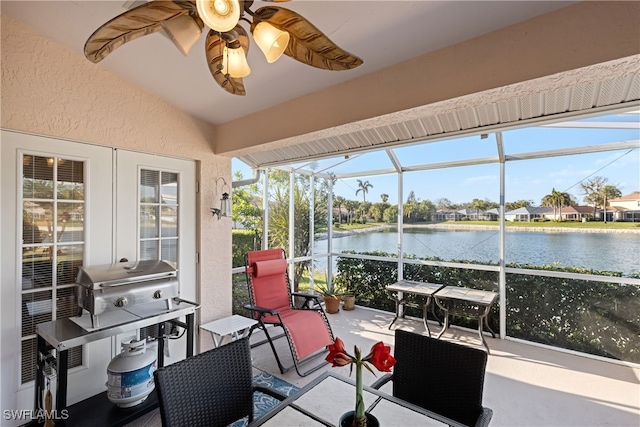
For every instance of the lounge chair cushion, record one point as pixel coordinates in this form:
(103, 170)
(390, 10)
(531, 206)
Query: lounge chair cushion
(269, 268)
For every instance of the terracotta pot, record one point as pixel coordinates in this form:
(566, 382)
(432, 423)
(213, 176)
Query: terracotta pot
(331, 304)
(349, 302)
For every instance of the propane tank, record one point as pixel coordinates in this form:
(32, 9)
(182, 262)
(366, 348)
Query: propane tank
(130, 374)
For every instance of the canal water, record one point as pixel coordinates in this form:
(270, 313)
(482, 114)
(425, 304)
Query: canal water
(618, 252)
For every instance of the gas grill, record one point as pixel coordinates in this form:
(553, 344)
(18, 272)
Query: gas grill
(108, 288)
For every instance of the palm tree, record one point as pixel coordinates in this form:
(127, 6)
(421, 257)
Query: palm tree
(384, 197)
(364, 187)
(557, 199)
(608, 192)
(339, 202)
(351, 206)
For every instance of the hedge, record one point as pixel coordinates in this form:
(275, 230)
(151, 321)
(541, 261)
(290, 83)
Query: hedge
(599, 318)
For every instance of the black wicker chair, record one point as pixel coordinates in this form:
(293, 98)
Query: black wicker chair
(214, 388)
(441, 376)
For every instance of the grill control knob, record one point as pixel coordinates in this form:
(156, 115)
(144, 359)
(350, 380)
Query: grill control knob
(157, 294)
(121, 302)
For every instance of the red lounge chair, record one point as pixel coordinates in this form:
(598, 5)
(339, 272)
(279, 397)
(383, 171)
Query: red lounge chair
(306, 327)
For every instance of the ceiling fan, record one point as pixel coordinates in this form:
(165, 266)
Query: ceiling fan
(276, 30)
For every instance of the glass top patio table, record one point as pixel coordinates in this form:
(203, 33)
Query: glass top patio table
(323, 401)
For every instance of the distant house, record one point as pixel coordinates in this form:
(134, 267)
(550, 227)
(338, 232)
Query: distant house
(570, 213)
(473, 214)
(341, 214)
(444, 215)
(492, 214)
(625, 208)
(527, 213)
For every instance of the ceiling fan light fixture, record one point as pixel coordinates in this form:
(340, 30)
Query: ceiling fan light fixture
(219, 15)
(234, 62)
(271, 41)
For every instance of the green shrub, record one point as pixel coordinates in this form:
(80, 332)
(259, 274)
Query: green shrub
(243, 241)
(600, 318)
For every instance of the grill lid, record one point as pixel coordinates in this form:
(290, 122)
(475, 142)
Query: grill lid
(123, 273)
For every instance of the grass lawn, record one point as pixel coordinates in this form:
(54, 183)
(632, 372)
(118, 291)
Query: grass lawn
(319, 279)
(552, 224)
(356, 226)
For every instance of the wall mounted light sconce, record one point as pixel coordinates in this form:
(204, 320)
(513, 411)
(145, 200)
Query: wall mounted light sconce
(225, 200)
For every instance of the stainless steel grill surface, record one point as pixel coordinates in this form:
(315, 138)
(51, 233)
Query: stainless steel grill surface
(112, 287)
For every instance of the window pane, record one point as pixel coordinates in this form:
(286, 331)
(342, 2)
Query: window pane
(148, 249)
(69, 259)
(70, 179)
(70, 225)
(36, 308)
(169, 250)
(169, 190)
(33, 226)
(66, 303)
(37, 270)
(169, 222)
(37, 182)
(29, 359)
(149, 183)
(148, 221)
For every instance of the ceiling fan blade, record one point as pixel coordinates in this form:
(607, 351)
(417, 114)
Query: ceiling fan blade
(214, 46)
(133, 24)
(307, 44)
(183, 31)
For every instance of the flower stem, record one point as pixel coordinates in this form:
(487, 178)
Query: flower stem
(360, 419)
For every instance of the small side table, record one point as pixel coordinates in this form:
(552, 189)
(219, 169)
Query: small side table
(475, 302)
(407, 287)
(235, 327)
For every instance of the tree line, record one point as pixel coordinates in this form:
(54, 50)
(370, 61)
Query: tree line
(247, 208)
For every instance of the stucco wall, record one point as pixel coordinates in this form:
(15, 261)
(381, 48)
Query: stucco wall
(49, 90)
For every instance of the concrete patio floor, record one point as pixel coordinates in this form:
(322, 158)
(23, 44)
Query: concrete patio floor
(525, 385)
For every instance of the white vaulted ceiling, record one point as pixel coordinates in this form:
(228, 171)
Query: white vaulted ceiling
(383, 34)
(368, 29)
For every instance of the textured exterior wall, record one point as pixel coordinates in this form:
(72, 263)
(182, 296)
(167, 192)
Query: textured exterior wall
(49, 90)
(584, 34)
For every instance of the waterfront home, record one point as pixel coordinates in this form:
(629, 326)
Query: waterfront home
(570, 213)
(472, 214)
(528, 213)
(492, 214)
(625, 208)
(446, 215)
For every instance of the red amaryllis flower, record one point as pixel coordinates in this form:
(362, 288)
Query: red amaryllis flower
(336, 347)
(381, 357)
(340, 359)
(337, 354)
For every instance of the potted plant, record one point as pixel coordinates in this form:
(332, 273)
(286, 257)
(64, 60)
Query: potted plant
(331, 299)
(380, 357)
(348, 296)
(349, 300)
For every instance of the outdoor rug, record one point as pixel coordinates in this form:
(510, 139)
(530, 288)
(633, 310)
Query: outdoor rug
(262, 403)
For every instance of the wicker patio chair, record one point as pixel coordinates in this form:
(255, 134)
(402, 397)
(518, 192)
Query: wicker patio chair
(271, 303)
(214, 388)
(441, 376)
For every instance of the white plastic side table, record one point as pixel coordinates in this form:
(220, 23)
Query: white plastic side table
(235, 327)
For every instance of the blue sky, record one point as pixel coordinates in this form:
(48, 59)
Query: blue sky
(525, 179)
